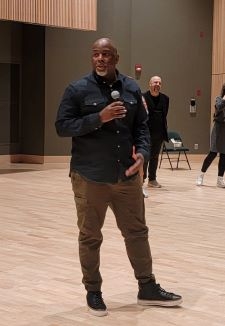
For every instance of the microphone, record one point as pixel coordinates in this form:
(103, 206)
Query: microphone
(115, 95)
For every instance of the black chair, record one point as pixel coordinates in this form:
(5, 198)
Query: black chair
(173, 150)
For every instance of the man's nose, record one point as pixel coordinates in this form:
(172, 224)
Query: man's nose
(100, 56)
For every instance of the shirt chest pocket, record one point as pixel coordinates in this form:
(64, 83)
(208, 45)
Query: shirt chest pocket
(130, 104)
(92, 105)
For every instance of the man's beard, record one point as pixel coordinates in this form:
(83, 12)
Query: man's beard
(101, 73)
(156, 89)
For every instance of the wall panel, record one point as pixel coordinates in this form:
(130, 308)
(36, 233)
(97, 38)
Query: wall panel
(218, 60)
(4, 9)
(73, 14)
(218, 55)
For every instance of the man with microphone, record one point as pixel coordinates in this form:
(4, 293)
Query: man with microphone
(104, 115)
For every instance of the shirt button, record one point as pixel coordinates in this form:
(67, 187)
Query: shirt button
(118, 146)
(118, 161)
(117, 131)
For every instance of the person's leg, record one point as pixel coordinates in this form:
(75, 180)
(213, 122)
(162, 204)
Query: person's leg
(221, 169)
(143, 174)
(206, 163)
(156, 144)
(91, 201)
(221, 165)
(145, 168)
(128, 207)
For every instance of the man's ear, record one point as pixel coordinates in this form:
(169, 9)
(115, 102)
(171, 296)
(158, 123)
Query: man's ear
(117, 58)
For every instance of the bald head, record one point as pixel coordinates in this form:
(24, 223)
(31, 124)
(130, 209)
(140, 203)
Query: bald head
(105, 43)
(155, 84)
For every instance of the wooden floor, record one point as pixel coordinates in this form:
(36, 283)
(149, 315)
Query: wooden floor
(40, 278)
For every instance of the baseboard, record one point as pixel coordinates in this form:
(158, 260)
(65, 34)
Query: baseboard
(57, 159)
(37, 159)
(33, 159)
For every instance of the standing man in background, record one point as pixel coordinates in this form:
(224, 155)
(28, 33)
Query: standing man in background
(158, 105)
(104, 132)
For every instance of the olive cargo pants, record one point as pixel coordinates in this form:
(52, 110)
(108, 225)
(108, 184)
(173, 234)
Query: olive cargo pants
(127, 203)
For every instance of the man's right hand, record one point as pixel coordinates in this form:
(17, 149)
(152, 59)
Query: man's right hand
(115, 110)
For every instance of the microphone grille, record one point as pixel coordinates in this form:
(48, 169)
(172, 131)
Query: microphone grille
(115, 95)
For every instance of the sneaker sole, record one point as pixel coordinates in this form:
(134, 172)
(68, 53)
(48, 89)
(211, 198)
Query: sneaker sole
(153, 186)
(97, 313)
(219, 186)
(172, 303)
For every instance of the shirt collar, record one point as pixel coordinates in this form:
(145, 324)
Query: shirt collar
(101, 81)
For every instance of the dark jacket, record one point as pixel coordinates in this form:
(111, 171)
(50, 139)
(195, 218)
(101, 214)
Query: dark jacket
(217, 143)
(103, 152)
(157, 115)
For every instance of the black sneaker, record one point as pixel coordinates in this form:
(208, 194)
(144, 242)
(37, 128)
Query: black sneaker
(151, 294)
(96, 304)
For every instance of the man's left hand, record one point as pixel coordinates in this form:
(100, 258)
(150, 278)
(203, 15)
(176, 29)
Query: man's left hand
(136, 166)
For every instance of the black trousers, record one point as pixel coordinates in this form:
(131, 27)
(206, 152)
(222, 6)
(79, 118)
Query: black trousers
(210, 158)
(150, 167)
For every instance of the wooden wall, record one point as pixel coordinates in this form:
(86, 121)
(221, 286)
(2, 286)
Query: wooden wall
(218, 52)
(73, 14)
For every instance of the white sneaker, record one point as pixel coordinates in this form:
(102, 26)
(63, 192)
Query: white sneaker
(145, 194)
(220, 182)
(199, 180)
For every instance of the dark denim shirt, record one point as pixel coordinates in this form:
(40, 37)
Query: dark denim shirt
(102, 152)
